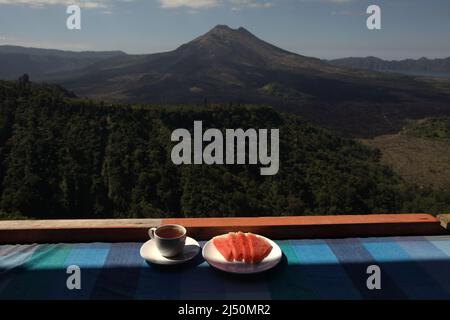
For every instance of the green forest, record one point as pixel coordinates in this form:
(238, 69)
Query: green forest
(66, 157)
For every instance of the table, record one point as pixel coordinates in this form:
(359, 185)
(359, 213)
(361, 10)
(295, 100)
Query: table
(411, 268)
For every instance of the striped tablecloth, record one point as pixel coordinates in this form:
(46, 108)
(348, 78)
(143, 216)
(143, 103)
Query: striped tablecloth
(411, 268)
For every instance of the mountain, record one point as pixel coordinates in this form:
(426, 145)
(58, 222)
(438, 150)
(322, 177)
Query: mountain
(233, 66)
(223, 65)
(42, 63)
(63, 157)
(422, 66)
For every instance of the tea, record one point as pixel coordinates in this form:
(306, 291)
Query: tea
(169, 233)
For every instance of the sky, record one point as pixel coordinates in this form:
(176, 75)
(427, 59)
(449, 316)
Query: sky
(319, 28)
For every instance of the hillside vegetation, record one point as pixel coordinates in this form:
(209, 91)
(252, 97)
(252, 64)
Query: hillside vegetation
(433, 128)
(420, 153)
(64, 157)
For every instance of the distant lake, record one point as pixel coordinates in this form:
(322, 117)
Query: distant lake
(420, 73)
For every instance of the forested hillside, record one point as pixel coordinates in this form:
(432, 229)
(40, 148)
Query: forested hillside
(64, 157)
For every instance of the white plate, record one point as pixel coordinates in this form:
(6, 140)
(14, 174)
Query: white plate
(150, 252)
(215, 259)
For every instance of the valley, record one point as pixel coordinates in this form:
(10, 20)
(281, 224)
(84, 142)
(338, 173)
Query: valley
(90, 134)
(68, 157)
(233, 66)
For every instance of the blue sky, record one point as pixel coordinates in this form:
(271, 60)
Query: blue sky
(319, 28)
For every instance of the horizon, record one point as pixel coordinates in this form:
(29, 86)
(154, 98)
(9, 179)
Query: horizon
(234, 29)
(327, 29)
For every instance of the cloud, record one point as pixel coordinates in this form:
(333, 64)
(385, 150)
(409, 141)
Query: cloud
(239, 4)
(337, 1)
(86, 4)
(107, 5)
(193, 4)
(348, 13)
(330, 1)
(200, 4)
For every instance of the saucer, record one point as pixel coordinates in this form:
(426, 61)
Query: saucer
(150, 253)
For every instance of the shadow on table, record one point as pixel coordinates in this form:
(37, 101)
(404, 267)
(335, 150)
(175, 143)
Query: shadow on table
(196, 279)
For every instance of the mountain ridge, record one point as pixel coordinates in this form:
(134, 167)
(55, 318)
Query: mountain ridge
(421, 65)
(40, 63)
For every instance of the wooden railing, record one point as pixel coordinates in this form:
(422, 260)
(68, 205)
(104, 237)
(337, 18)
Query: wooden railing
(115, 230)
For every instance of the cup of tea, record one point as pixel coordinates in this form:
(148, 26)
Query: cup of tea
(170, 239)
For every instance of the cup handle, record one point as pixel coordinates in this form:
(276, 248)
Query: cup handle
(151, 233)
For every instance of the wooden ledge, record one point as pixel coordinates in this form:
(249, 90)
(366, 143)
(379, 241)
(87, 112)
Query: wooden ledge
(123, 230)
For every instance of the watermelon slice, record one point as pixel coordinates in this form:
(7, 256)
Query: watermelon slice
(222, 244)
(259, 247)
(246, 247)
(236, 246)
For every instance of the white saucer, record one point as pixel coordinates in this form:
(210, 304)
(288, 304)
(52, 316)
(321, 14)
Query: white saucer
(215, 259)
(150, 253)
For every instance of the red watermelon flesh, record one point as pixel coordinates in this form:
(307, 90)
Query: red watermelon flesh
(236, 247)
(222, 244)
(246, 247)
(259, 247)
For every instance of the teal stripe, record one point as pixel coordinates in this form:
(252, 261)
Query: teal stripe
(414, 281)
(322, 271)
(90, 257)
(42, 276)
(286, 281)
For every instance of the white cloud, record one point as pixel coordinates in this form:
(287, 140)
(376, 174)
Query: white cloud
(199, 4)
(106, 5)
(337, 1)
(239, 4)
(193, 4)
(330, 1)
(87, 4)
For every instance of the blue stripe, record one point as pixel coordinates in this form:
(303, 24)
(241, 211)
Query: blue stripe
(355, 259)
(405, 272)
(158, 282)
(119, 276)
(429, 258)
(322, 272)
(442, 243)
(202, 282)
